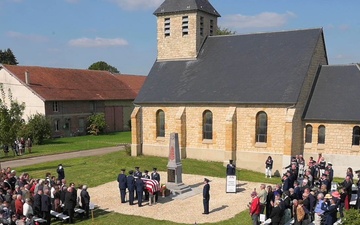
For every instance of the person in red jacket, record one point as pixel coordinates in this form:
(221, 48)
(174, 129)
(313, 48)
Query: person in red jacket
(18, 206)
(255, 208)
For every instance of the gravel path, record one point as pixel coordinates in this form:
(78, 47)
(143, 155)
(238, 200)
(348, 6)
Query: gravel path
(179, 209)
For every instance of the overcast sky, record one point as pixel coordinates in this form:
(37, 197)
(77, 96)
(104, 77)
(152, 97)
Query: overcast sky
(77, 33)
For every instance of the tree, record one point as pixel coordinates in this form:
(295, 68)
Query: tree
(38, 128)
(7, 57)
(10, 118)
(97, 123)
(224, 31)
(101, 65)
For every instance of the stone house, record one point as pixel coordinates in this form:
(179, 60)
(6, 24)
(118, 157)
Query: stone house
(69, 96)
(240, 97)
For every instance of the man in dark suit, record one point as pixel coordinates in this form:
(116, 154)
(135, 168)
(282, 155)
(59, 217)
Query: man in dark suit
(155, 176)
(230, 168)
(122, 185)
(206, 196)
(286, 185)
(46, 206)
(85, 200)
(330, 173)
(130, 182)
(37, 204)
(70, 203)
(139, 189)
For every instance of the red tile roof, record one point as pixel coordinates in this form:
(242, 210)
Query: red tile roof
(133, 81)
(58, 84)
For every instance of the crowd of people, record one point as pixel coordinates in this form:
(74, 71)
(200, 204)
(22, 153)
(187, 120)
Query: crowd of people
(23, 199)
(19, 146)
(141, 187)
(305, 194)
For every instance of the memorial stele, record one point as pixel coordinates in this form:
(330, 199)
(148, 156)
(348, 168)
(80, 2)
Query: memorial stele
(174, 172)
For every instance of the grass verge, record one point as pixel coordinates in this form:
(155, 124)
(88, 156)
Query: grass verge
(71, 144)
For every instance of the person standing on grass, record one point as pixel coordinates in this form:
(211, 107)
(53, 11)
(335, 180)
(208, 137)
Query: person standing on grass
(70, 203)
(268, 167)
(269, 200)
(255, 208)
(60, 171)
(276, 213)
(46, 206)
(206, 196)
(85, 200)
(37, 203)
(28, 145)
(347, 186)
(122, 185)
(262, 197)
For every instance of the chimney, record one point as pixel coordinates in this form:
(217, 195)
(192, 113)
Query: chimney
(27, 77)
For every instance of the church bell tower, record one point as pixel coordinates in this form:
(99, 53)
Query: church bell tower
(182, 26)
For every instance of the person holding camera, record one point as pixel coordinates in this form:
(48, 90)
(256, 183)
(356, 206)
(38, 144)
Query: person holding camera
(330, 210)
(60, 171)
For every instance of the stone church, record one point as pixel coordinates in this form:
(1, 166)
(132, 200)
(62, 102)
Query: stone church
(245, 97)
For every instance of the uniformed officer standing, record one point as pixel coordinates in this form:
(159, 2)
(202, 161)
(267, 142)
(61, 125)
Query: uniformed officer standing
(139, 189)
(130, 182)
(146, 175)
(206, 196)
(156, 176)
(122, 185)
(137, 173)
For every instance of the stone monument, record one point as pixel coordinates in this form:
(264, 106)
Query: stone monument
(174, 172)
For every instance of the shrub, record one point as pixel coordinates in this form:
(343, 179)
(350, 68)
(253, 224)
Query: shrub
(97, 124)
(38, 128)
(352, 217)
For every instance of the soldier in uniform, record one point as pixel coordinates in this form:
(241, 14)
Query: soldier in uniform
(156, 176)
(130, 183)
(206, 196)
(137, 173)
(139, 189)
(230, 168)
(146, 175)
(122, 185)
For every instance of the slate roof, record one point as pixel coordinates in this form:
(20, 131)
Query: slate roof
(336, 94)
(58, 84)
(263, 68)
(177, 6)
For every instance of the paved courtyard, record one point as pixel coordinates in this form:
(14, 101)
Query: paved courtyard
(186, 208)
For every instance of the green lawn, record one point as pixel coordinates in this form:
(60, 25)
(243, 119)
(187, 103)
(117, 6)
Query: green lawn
(71, 144)
(96, 170)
